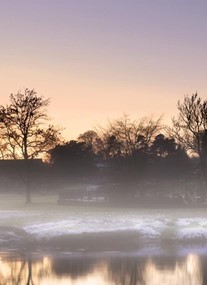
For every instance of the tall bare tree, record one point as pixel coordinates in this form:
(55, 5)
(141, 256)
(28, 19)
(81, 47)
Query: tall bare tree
(24, 129)
(190, 127)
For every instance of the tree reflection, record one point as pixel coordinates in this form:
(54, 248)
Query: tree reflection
(187, 271)
(165, 270)
(25, 270)
(75, 267)
(29, 279)
(126, 271)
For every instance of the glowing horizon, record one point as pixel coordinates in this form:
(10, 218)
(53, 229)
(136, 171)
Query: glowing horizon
(98, 60)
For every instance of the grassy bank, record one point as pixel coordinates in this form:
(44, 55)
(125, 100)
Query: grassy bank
(46, 225)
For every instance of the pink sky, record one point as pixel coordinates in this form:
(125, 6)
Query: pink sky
(99, 59)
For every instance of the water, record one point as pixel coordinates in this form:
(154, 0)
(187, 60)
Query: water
(110, 268)
(83, 245)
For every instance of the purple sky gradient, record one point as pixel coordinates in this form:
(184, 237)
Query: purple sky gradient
(98, 59)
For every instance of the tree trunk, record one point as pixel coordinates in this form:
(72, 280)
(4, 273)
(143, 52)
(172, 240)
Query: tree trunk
(28, 182)
(28, 192)
(203, 162)
(204, 154)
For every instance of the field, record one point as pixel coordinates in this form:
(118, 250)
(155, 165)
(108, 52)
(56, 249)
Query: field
(45, 223)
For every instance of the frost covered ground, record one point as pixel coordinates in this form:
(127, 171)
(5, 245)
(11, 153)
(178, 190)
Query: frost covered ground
(44, 219)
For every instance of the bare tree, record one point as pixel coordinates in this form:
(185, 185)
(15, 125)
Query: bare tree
(24, 129)
(123, 136)
(190, 127)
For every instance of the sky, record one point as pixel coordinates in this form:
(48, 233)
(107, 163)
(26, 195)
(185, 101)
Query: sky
(99, 59)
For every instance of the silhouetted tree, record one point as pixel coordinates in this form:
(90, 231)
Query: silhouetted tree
(23, 129)
(163, 147)
(112, 147)
(72, 159)
(190, 126)
(125, 147)
(91, 140)
(168, 158)
(124, 137)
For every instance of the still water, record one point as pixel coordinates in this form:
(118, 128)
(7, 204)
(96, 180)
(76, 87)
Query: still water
(103, 269)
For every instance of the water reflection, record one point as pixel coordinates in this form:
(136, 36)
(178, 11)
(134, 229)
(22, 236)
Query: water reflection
(185, 272)
(108, 270)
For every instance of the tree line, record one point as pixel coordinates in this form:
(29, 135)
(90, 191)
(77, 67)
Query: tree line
(125, 151)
